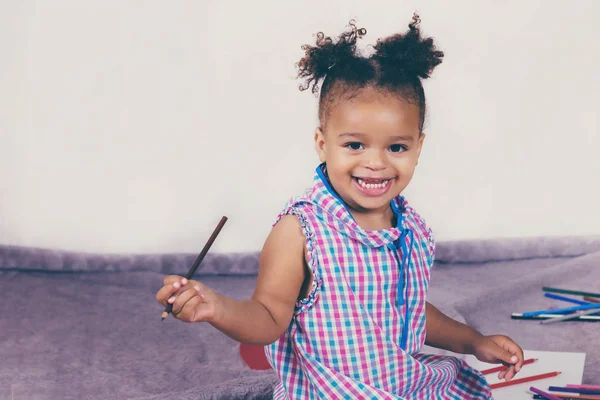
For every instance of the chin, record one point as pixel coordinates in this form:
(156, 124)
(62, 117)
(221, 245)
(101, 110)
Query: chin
(373, 204)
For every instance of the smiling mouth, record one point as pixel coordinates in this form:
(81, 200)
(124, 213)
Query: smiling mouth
(373, 186)
(372, 183)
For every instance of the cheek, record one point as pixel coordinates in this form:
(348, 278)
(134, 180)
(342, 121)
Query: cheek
(406, 167)
(399, 160)
(338, 155)
(408, 174)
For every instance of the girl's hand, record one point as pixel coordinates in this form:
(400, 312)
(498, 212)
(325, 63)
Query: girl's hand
(497, 349)
(192, 301)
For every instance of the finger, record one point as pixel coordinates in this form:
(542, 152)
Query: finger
(502, 373)
(180, 300)
(170, 279)
(164, 293)
(521, 357)
(195, 310)
(516, 351)
(521, 361)
(510, 374)
(168, 291)
(505, 356)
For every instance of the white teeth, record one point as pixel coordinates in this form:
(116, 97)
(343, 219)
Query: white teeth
(372, 185)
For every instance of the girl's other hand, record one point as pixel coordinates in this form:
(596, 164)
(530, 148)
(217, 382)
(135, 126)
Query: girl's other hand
(498, 349)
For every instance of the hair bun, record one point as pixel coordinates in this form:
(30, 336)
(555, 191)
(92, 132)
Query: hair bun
(409, 53)
(326, 53)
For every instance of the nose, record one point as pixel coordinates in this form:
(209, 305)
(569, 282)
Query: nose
(375, 160)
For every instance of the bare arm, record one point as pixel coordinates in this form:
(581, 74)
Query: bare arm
(263, 318)
(445, 333)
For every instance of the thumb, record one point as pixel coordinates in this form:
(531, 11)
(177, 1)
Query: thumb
(506, 356)
(206, 305)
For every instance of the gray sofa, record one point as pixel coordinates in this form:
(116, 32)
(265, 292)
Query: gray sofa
(87, 326)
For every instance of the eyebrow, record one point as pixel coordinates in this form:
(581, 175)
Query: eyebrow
(362, 135)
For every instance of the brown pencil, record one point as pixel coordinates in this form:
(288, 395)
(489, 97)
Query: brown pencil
(591, 299)
(199, 259)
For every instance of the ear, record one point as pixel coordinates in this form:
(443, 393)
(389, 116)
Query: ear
(320, 145)
(420, 146)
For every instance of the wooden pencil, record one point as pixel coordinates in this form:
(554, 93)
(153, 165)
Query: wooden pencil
(591, 299)
(546, 395)
(565, 310)
(567, 291)
(567, 397)
(569, 317)
(199, 259)
(584, 386)
(526, 379)
(503, 367)
(584, 318)
(595, 392)
(565, 298)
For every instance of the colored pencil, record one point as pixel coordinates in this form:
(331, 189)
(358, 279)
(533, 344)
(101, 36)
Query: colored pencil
(199, 259)
(574, 390)
(584, 318)
(567, 291)
(569, 317)
(503, 367)
(591, 299)
(585, 386)
(526, 379)
(546, 395)
(567, 397)
(562, 310)
(564, 298)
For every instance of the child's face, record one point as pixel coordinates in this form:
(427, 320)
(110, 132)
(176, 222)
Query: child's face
(371, 146)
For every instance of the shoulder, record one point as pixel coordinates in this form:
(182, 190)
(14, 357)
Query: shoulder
(298, 206)
(291, 228)
(284, 245)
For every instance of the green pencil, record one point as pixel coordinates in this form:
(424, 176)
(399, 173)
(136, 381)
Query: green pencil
(573, 292)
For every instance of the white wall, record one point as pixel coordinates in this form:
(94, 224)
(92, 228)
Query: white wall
(133, 126)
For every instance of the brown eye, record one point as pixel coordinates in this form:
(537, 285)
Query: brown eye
(354, 146)
(397, 148)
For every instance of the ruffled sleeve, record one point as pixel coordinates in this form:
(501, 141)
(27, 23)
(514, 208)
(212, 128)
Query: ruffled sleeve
(297, 208)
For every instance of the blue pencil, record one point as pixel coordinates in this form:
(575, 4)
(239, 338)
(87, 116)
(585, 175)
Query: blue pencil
(573, 390)
(562, 310)
(564, 298)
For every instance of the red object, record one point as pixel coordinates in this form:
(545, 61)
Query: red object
(502, 367)
(254, 356)
(526, 379)
(584, 386)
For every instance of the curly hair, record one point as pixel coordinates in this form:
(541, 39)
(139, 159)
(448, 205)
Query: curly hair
(398, 65)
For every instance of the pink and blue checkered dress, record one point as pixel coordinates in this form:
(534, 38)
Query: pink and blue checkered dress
(358, 333)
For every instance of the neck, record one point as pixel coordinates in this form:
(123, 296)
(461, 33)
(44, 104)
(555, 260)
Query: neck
(374, 221)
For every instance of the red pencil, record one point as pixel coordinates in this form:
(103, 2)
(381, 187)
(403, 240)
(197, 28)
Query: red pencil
(569, 397)
(502, 367)
(526, 379)
(584, 386)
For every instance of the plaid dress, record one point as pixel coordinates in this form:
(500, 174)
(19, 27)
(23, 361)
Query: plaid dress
(358, 333)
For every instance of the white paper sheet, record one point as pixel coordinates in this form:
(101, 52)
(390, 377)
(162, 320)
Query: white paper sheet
(569, 364)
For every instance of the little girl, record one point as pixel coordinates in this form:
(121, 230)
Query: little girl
(340, 301)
